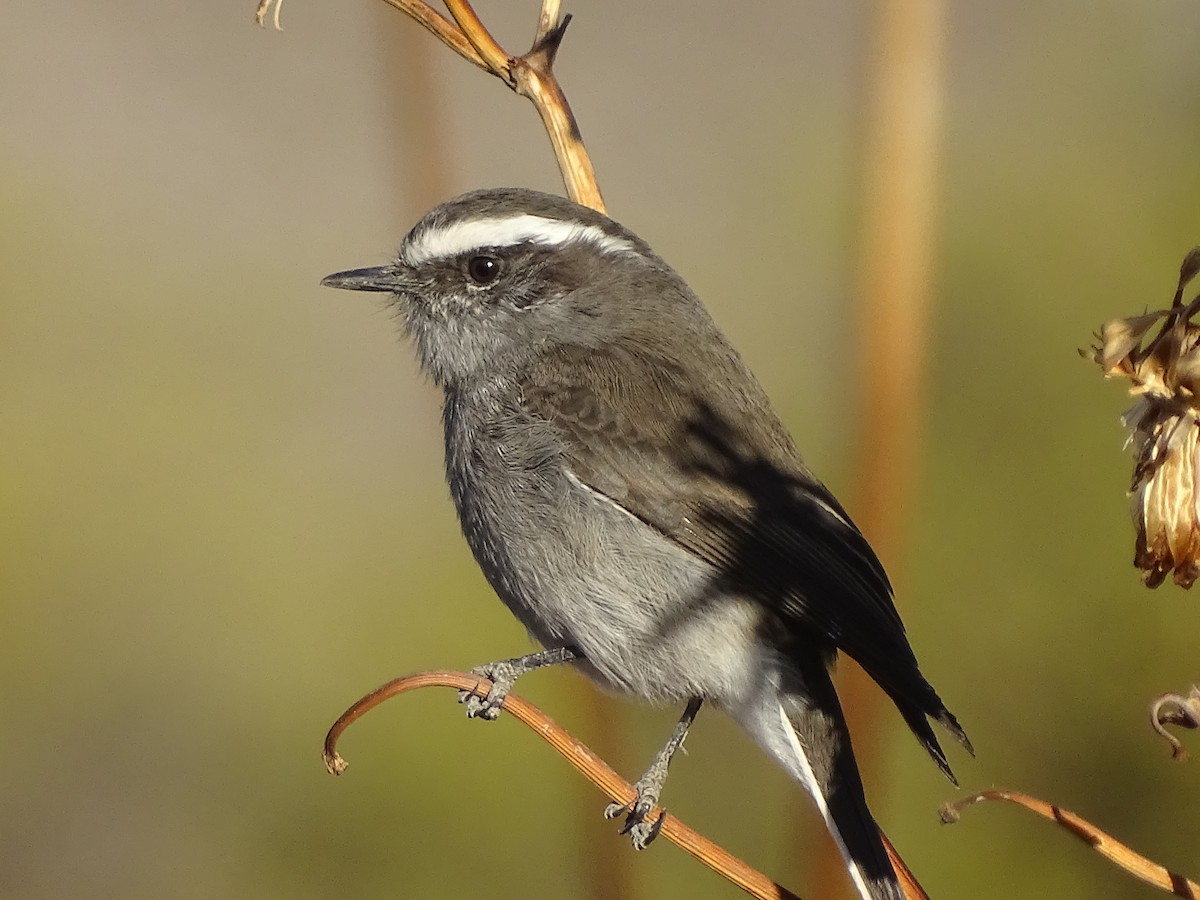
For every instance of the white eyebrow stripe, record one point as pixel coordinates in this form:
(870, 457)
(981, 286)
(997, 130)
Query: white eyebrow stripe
(456, 238)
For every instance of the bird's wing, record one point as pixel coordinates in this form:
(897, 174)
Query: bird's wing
(711, 468)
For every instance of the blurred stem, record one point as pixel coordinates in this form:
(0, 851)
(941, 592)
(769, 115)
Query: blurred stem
(607, 857)
(419, 125)
(904, 97)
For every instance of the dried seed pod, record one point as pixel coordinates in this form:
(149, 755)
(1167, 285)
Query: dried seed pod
(1164, 429)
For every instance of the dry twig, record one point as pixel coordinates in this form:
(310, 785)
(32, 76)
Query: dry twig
(260, 14)
(598, 772)
(1175, 709)
(1104, 844)
(530, 75)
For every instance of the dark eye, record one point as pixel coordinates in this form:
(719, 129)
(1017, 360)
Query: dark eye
(483, 269)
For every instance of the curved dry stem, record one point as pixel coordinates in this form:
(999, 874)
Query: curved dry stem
(596, 770)
(1175, 709)
(1104, 844)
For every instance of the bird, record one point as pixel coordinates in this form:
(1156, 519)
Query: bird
(632, 496)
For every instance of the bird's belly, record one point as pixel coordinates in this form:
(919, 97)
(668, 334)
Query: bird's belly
(649, 617)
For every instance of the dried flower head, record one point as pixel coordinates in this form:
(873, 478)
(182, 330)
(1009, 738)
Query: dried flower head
(1164, 429)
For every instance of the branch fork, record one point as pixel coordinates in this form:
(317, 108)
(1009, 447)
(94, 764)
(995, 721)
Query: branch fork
(530, 75)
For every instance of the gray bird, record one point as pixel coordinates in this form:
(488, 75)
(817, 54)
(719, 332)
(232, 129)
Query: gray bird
(634, 499)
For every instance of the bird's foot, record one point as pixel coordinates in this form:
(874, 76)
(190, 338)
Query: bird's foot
(649, 786)
(642, 832)
(503, 675)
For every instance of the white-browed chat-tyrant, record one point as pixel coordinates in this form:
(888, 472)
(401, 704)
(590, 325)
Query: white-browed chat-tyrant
(632, 496)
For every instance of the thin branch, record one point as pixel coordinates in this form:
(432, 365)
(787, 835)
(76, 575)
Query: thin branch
(535, 79)
(1104, 844)
(547, 20)
(531, 75)
(481, 39)
(598, 772)
(595, 769)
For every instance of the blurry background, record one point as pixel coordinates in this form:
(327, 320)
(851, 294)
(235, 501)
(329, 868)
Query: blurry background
(222, 515)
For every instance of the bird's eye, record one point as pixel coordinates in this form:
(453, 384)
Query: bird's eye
(483, 269)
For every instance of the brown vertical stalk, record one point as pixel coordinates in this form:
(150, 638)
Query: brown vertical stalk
(419, 125)
(607, 860)
(902, 131)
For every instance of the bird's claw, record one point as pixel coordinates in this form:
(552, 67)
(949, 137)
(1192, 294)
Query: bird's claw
(641, 832)
(487, 707)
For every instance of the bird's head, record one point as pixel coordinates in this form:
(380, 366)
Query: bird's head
(490, 277)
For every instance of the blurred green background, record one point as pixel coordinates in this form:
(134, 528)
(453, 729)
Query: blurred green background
(222, 515)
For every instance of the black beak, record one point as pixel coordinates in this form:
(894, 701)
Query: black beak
(380, 278)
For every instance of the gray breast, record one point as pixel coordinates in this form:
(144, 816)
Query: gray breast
(577, 569)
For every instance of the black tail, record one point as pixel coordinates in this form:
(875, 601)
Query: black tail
(917, 716)
(818, 743)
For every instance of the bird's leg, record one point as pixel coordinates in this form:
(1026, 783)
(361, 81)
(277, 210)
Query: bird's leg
(650, 785)
(503, 675)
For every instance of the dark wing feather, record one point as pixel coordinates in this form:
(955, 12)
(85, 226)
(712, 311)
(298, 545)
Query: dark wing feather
(708, 464)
